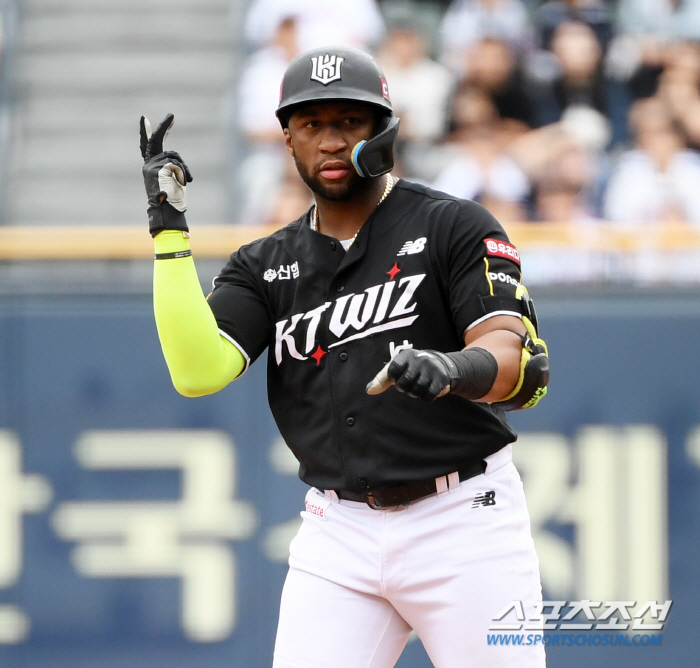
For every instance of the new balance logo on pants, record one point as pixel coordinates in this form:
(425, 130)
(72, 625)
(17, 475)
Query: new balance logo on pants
(484, 499)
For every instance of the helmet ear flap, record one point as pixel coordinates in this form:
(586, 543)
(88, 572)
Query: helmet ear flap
(377, 155)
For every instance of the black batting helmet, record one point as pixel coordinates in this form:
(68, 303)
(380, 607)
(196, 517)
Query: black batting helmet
(341, 73)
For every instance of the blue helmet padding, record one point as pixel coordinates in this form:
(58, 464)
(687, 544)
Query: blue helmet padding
(353, 157)
(377, 156)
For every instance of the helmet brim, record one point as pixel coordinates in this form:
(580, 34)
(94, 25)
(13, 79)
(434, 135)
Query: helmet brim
(294, 104)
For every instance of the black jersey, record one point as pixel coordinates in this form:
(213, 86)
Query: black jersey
(416, 275)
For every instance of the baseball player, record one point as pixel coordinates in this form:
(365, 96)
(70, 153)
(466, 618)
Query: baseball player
(398, 332)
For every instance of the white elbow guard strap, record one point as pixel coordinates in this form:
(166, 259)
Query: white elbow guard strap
(534, 364)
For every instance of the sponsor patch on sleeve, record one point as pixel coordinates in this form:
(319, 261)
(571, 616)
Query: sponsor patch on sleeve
(502, 249)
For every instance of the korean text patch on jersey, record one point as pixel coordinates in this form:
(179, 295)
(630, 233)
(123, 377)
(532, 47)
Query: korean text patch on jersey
(499, 248)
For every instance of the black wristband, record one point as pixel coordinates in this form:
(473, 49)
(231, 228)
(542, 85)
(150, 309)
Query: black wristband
(172, 256)
(473, 372)
(166, 217)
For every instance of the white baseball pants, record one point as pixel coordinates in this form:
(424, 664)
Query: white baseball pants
(360, 579)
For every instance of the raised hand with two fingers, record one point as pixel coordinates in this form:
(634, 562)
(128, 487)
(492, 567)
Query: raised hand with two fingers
(165, 176)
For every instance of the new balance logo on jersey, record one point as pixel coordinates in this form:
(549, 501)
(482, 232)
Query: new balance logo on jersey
(379, 308)
(412, 247)
(325, 69)
(484, 499)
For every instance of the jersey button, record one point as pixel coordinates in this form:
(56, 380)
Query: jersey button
(350, 421)
(343, 357)
(362, 483)
(332, 245)
(340, 288)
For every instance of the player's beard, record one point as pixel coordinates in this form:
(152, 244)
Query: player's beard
(355, 187)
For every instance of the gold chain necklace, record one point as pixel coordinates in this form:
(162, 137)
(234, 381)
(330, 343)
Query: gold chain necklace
(387, 189)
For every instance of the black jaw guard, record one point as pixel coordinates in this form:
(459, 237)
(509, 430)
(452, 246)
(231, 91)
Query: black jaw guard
(377, 155)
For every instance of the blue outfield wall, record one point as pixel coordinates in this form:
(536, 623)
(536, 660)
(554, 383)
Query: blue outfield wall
(141, 528)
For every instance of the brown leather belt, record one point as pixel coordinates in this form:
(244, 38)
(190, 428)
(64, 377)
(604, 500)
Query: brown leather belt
(408, 492)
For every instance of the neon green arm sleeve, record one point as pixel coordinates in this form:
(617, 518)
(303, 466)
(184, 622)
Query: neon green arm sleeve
(199, 359)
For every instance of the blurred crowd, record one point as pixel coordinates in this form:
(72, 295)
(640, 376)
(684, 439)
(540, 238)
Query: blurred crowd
(562, 110)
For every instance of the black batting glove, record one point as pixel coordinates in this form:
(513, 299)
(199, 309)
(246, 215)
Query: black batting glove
(165, 176)
(429, 374)
(418, 373)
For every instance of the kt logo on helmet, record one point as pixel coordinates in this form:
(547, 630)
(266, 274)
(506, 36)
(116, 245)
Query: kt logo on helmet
(325, 69)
